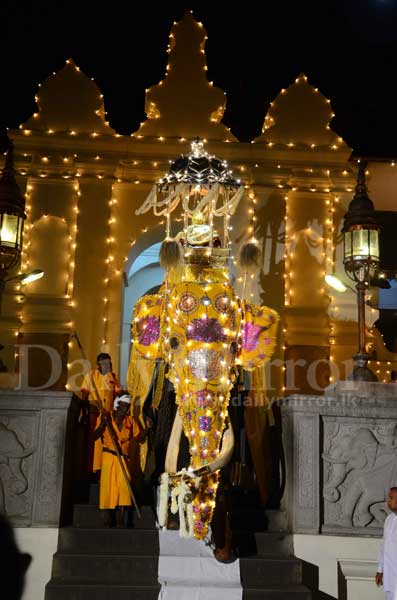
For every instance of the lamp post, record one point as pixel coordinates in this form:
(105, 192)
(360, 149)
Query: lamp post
(361, 261)
(12, 216)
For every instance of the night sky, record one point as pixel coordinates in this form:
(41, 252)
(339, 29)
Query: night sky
(348, 49)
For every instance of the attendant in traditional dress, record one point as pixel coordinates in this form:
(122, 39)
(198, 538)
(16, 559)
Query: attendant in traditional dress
(114, 495)
(387, 567)
(105, 381)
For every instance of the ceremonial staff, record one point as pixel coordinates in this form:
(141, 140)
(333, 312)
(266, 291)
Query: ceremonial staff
(108, 423)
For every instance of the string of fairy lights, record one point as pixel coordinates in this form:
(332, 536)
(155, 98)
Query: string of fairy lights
(91, 172)
(329, 268)
(109, 262)
(27, 229)
(276, 161)
(72, 237)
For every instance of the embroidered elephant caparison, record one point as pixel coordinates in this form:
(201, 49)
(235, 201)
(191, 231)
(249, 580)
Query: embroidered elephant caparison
(202, 331)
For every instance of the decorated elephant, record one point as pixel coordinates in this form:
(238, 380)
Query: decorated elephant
(201, 330)
(371, 468)
(12, 454)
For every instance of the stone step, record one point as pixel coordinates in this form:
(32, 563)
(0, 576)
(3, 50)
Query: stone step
(259, 573)
(108, 541)
(89, 516)
(290, 592)
(105, 569)
(58, 589)
(262, 543)
(258, 519)
(276, 520)
(93, 494)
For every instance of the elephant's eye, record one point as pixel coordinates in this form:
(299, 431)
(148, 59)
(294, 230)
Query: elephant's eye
(174, 342)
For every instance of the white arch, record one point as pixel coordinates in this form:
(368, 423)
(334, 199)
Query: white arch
(142, 273)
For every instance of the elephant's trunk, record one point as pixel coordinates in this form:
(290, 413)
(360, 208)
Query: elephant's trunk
(334, 461)
(21, 455)
(338, 475)
(15, 465)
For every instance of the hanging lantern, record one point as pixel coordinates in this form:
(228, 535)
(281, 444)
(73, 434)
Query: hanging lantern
(12, 215)
(361, 261)
(361, 234)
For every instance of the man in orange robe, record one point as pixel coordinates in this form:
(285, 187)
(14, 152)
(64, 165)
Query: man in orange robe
(114, 495)
(107, 384)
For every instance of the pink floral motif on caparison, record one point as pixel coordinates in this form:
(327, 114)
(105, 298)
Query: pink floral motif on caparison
(148, 330)
(251, 336)
(205, 330)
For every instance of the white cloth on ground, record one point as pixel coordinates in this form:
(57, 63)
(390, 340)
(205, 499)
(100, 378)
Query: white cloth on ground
(188, 571)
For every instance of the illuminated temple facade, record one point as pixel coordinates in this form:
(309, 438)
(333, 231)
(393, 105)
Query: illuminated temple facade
(84, 181)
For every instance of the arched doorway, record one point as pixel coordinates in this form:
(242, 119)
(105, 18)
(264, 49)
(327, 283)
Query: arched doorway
(144, 276)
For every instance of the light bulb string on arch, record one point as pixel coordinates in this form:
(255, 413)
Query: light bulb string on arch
(110, 264)
(266, 185)
(72, 239)
(29, 170)
(329, 268)
(71, 223)
(278, 145)
(27, 229)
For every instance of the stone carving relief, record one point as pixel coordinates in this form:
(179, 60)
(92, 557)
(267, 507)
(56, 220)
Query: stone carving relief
(305, 449)
(49, 488)
(13, 479)
(360, 466)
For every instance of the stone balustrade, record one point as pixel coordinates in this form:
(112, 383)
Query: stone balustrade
(341, 457)
(37, 432)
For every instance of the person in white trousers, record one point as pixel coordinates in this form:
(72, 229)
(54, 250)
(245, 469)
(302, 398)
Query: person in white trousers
(387, 567)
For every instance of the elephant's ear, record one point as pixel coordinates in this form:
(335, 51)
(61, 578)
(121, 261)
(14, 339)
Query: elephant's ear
(139, 377)
(146, 321)
(259, 335)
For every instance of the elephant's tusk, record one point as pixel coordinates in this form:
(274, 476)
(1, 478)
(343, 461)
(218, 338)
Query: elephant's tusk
(171, 458)
(226, 451)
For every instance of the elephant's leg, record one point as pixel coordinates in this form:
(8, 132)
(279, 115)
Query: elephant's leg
(378, 510)
(352, 498)
(171, 458)
(372, 503)
(363, 516)
(20, 482)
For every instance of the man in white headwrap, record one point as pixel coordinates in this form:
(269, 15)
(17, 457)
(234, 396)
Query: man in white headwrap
(114, 496)
(387, 567)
